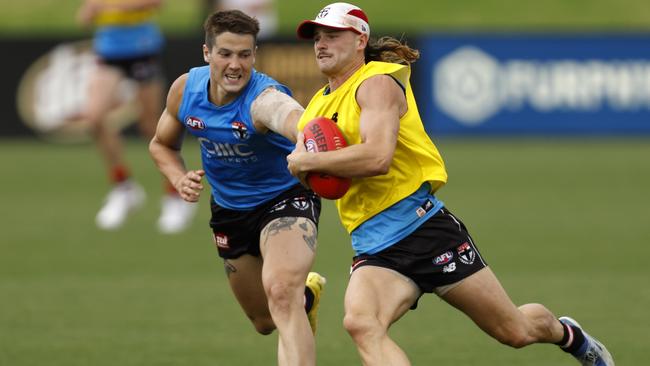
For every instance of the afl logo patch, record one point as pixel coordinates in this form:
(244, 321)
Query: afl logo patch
(239, 130)
(443, 258)
(195, 123)
(466, 253)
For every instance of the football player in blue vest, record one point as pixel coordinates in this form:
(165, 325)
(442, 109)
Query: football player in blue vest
(264, 222)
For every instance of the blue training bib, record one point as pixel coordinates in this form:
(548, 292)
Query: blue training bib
(244, 168)
(396, 222)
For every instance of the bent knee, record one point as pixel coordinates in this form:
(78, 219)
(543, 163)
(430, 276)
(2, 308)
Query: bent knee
(513, 336)
(263, 325)
(362, 327)
(281, 295)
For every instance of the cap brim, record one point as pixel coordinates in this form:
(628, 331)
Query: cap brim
(306, 29)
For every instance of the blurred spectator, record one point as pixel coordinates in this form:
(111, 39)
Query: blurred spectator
(263, 10)
(128, 45)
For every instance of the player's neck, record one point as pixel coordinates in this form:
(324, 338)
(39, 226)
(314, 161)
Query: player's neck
(336, 80)
(220, 97)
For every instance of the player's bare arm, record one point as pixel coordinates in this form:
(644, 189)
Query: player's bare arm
(165, 147)
(382, 102)
(276, 111)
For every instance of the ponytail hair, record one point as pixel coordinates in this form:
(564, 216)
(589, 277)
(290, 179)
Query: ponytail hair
(389, 49)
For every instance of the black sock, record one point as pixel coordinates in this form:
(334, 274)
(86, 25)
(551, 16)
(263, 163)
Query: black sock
(572, 340)
(309, 299)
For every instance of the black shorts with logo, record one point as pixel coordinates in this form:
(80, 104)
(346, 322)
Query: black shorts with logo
(237, 232)
(438, 253)
(141, 69)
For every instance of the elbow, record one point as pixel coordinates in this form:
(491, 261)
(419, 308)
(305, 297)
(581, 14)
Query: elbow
(155, 147)
(152, 146)
(380, 167)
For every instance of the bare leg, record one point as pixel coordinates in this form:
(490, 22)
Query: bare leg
(483, 299)
(150, 97)
(103, 86)
(376, 298)
(245, 275)
(288, 247)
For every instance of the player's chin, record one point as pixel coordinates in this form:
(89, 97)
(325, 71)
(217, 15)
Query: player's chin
(325, 65)
(234, 85)
(324, 69)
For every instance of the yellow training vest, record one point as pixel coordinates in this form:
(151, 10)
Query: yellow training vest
(109, 17)
(416, 159)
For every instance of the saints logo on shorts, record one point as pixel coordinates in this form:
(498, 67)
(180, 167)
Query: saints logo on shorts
(300, 203)
(465, 253)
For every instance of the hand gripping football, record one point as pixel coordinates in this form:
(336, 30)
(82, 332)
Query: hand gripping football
(322, 134)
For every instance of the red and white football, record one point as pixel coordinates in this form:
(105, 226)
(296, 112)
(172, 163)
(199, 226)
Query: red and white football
(322, 134)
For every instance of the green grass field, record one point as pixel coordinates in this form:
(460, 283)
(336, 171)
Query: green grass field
(47, 17)
(563, 222)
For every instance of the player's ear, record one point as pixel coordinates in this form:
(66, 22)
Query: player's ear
(363, 41)
(206, 54)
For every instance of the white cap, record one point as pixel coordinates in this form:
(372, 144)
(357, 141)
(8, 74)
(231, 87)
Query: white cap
(338, 16)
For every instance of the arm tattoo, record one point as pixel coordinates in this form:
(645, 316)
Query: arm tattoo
(230, 268)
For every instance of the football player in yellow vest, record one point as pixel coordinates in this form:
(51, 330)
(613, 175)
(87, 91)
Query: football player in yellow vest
(406, 240)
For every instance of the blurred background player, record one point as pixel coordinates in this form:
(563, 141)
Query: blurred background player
(128, 45)
(406, 241)
(263, 10)
(264, 222)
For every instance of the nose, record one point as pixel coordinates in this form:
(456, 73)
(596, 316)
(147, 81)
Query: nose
(319, 44)
(235, 63)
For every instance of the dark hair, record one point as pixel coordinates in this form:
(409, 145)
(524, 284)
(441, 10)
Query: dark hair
(233, 21)
(389, 49)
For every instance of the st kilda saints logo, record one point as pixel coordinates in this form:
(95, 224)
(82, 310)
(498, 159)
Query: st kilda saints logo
(466, 253)
(323, 13)
(300, 203)
(239, 130)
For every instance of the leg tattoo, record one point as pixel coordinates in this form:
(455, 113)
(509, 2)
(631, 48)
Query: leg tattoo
(229, 267)
(276, 226)
(310, 235)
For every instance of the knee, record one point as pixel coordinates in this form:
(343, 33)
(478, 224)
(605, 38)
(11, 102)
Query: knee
(514, 333)
(147, 127)
(513, 337)
(362, 328)
(281, 295)
(95, 126)
(263, 325)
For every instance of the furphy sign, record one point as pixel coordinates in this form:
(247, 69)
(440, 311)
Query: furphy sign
(535, 84)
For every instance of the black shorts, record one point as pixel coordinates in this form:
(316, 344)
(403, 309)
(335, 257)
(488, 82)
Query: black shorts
(141, 69)
(438, 253)
(237, 232)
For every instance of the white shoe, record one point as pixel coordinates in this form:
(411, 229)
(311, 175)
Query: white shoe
(121, 200)
(176, 214)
